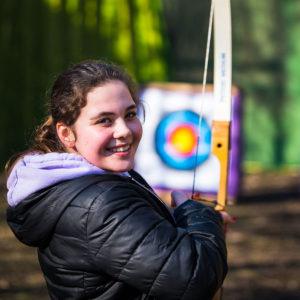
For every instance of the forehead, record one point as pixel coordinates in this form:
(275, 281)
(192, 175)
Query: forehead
(111, 95)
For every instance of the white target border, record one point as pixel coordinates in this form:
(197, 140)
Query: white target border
(162, 99)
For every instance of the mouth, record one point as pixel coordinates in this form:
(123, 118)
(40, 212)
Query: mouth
(123, 149)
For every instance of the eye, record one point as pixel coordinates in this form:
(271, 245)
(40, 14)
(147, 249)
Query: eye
(104, 121)
(131, 115)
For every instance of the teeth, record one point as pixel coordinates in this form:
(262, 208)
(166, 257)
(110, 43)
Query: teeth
(121, 149)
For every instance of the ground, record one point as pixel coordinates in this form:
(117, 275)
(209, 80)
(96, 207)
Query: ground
(263, 246)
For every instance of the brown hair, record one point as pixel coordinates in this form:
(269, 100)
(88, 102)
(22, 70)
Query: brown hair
(68, 96)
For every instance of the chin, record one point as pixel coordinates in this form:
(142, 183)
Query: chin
(125, 167)
(119, 170)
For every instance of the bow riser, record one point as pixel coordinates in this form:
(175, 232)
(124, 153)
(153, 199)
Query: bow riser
(220, 148)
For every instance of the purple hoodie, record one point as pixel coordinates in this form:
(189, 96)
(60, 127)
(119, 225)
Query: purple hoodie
(34, 172)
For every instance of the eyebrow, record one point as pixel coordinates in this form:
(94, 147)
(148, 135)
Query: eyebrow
(107, 113)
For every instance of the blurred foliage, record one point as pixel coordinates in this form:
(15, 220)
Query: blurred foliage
(155, 40)
(39, 38)
(266, 67)
(291, 12)
(259, 66)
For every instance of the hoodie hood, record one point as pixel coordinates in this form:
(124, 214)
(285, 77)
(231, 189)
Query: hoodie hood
(34, 219)
(39, 191)
(35, 172)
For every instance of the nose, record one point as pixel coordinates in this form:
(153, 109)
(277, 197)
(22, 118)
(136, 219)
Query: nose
(121, 129)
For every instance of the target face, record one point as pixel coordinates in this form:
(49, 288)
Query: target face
(176, 140)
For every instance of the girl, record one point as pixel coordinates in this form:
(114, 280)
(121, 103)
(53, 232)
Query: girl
(100, 230)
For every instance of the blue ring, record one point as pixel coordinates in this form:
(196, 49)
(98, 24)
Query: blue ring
(167, 154)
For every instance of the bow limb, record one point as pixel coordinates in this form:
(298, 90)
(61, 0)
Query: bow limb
(222, 99)
(222, 94)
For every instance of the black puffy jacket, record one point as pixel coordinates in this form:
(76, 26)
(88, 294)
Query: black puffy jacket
(108, 237)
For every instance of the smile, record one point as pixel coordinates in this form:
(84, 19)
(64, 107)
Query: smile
(123, 148)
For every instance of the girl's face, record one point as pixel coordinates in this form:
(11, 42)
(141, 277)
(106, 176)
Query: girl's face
(108, 130)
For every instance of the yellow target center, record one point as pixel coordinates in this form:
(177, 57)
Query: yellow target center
(184, 140)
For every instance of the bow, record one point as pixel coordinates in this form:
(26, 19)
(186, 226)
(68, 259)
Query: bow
(220, 14)
(222, 94)
(221, 17)
(222, 98)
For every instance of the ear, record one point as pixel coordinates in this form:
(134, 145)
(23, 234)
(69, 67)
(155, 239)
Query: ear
(66, 135)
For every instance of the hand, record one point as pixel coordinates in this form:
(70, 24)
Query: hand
(177, 198)
(227, 219)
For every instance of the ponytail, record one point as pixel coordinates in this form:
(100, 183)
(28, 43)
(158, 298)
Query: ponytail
(46, 139)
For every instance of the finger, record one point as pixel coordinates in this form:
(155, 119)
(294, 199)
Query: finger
(227, 218)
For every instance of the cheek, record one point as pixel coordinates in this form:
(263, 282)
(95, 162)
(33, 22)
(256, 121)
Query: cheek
(93, 140)
(138, 130)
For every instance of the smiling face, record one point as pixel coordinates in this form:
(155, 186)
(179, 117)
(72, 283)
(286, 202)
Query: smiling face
(107, 131)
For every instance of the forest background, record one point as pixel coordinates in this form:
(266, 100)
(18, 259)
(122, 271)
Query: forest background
(156, 41)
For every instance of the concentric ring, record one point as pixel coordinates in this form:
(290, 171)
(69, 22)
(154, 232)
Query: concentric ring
(176, 140)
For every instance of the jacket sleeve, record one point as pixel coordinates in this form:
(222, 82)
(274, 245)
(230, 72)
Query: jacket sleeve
(130, 241)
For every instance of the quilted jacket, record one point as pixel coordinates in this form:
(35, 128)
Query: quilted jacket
(110, 237)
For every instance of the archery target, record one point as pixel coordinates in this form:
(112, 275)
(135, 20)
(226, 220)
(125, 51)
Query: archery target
(167, 151)
(176, 139)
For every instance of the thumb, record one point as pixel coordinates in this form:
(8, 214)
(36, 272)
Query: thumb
(178, 197)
